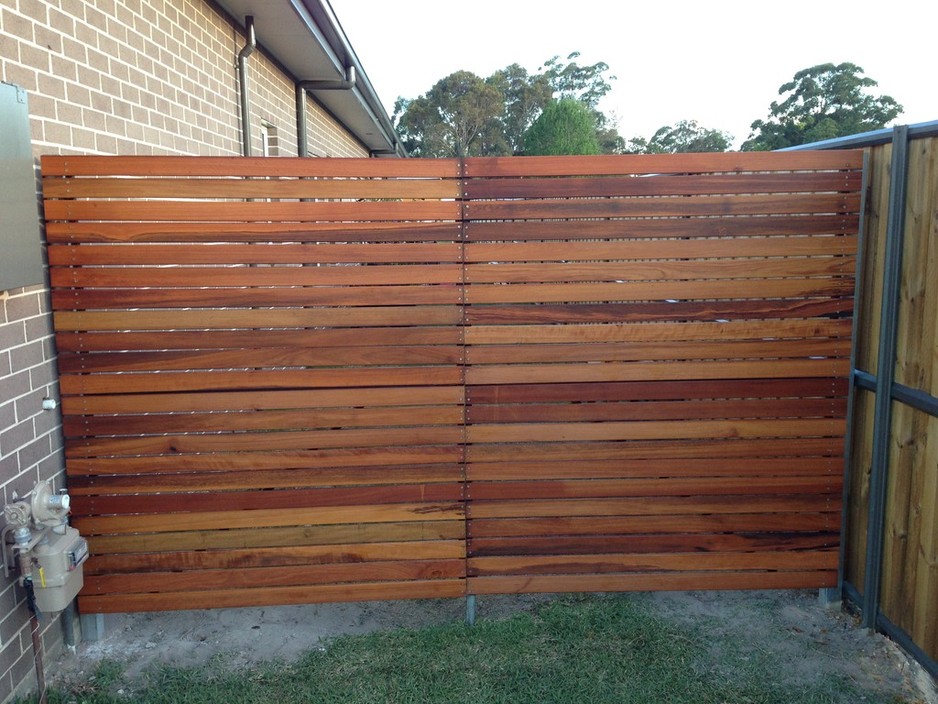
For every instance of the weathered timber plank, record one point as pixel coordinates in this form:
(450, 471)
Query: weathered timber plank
(648, 506)
(640, 351)
(526, 584)
(674, 524)
(266, 479)
(796, 388)
(251, 461)
(265, 400)
(166, 502)
(660, 311)
(803, 246)
(325, 515)
(478, 167)
(265, 211)
(667, 562)
(271, 596)
(558, 208)
(603, 488)
(655, 332)
(752, 468)
(262, 441)
(150, 424)
(656, 430)
(637, 411)
(263, 232)
(212, 276)
(651, 543)
(112, 321)
(253, 578)
(663, 371)
(265, 187)
(657, 290)
(683, 227)
(684, 185)
(240, 339)
(244, 380)
(86, 165)
(283, 297)
(254, 539)
(276, 556)
(139, 254)
(264, 358)
(658, 270)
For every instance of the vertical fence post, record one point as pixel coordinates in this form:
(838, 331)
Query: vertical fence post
(860, 263)
(885, 375)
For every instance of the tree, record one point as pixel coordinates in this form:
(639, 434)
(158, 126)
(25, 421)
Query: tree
(565, 127)
(465, 115)
(822, 102)
(457, 117)
(584, 83)
(685, 136)
(524, 97)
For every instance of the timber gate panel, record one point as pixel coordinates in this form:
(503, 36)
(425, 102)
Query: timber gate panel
(261, 377)
(658, 353)
(290, 380)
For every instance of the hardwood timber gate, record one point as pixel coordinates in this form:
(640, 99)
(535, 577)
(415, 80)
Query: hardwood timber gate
(300, 380)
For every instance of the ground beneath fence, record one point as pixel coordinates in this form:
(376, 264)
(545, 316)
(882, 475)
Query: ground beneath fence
(805, 638)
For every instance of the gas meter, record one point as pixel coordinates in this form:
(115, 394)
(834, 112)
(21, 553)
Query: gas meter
(48, 552)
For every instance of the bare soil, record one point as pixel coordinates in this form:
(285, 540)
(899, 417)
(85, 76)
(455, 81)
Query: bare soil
(805, 638)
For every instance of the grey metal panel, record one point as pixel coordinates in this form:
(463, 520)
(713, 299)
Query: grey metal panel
(919, 130)
(20, 234)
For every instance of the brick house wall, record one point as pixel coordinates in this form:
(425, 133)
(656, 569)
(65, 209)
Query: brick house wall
(111, 77)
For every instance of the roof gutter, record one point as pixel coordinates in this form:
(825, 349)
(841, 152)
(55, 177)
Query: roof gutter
(347, 83)
(364, 88)
(243, 55)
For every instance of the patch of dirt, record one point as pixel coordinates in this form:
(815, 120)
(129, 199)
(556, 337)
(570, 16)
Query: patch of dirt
(803, 638)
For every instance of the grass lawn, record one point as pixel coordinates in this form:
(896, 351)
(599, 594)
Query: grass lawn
(576, 649)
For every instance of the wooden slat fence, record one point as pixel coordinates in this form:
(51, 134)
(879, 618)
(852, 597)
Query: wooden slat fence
(369, 379)
(261, 376)
(657, 353)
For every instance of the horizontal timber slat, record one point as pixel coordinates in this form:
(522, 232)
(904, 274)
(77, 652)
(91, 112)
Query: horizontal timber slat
(343, 253)
(656, 581)
(639, 228)
(273, 596)
(118, 563)
(678, 185)
(303, 380)
(683, 562)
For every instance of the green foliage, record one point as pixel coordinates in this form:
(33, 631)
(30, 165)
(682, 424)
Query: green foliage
(565, 127)
(685, 136)
(465, 115)
(822, 102)
(524, 96)
(457, 117)
(584, 83)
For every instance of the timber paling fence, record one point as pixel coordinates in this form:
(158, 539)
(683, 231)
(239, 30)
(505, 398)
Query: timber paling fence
(891, 528)
(301, 380)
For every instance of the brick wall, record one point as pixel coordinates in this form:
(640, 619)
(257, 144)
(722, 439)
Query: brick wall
(147, 77)
(30, 451)
(110, 77)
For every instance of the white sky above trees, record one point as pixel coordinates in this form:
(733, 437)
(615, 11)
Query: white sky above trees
(719, 62)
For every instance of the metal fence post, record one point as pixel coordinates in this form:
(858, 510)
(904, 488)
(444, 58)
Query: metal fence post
(885, 375)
